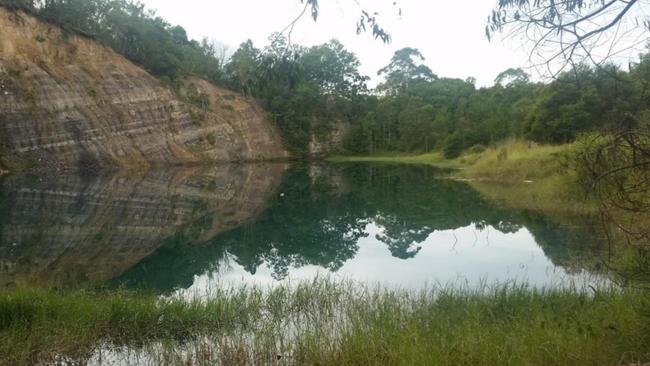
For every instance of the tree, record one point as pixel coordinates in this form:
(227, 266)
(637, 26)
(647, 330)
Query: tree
(617, 163)
(179, 35)
(305, 91)
(368, 20)
(334, 69)
(242, 68)
(569, 32)
(512, 76)
(415, 126)
(404, 71)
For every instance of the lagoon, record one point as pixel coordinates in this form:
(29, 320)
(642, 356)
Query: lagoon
(187, 230)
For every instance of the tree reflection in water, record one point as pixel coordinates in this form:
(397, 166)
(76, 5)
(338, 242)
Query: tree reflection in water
(321, 212)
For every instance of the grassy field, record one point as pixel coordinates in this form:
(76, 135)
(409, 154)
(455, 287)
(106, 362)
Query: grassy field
(330, 323)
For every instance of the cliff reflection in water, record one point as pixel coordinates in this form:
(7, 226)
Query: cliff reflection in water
(374, 222)
(89, 229)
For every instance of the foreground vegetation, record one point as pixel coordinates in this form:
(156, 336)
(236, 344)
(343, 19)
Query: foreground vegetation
(324, 322)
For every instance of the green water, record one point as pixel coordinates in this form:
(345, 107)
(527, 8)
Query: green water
(191, 229)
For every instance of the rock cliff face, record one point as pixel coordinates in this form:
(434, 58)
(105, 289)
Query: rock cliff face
(332, 142)
(74, 229)
(67, 102)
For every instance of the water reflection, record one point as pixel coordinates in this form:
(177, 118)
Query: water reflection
(190, 228)
(465, 256)
(88, 229)
(396, 225)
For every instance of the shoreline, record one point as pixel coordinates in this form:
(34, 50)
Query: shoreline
(325, 322)
(514, 175)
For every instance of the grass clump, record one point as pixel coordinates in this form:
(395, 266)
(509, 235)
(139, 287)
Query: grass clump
(326, 322)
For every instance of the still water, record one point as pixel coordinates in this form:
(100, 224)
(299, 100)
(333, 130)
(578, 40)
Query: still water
(189, 229)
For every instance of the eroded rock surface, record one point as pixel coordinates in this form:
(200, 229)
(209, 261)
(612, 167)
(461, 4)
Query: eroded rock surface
(67, 102)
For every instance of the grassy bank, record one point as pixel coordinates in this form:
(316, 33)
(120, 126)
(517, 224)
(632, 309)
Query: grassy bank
(432, 158)
(515, 174)
(327, 323)
(522, 175)
(513, 161)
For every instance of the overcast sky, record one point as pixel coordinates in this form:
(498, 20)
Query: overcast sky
(449, 34)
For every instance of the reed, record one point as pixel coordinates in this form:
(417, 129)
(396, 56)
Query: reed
(325, 322)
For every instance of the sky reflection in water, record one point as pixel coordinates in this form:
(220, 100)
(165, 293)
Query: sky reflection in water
(467, 256)
(190, 229)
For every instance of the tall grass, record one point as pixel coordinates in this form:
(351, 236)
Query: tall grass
(523, 175)
(516, 161)
(329, 323)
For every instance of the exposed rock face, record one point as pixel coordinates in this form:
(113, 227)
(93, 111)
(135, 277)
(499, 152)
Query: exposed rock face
(72, 229)
(332, 142)
(67, 102)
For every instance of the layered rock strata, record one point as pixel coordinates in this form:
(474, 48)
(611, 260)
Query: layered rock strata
(68, 102)
(74, 229)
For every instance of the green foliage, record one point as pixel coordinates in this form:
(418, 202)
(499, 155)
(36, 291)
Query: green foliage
(451, 115)
(582, 100)
(132, 30)
(197, 97)
(453, 146)
(304, 90)
(242, 69)
(511, 76)
(329, 323)
(405, 70)
(307, 90)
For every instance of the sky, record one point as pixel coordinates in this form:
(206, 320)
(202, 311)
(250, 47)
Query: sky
(449, 34)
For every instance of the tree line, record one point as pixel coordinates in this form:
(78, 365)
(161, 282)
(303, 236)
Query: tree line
(414, 110)
(421, 113)
(307, 90)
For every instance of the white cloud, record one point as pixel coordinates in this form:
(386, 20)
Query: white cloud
(450, 34)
